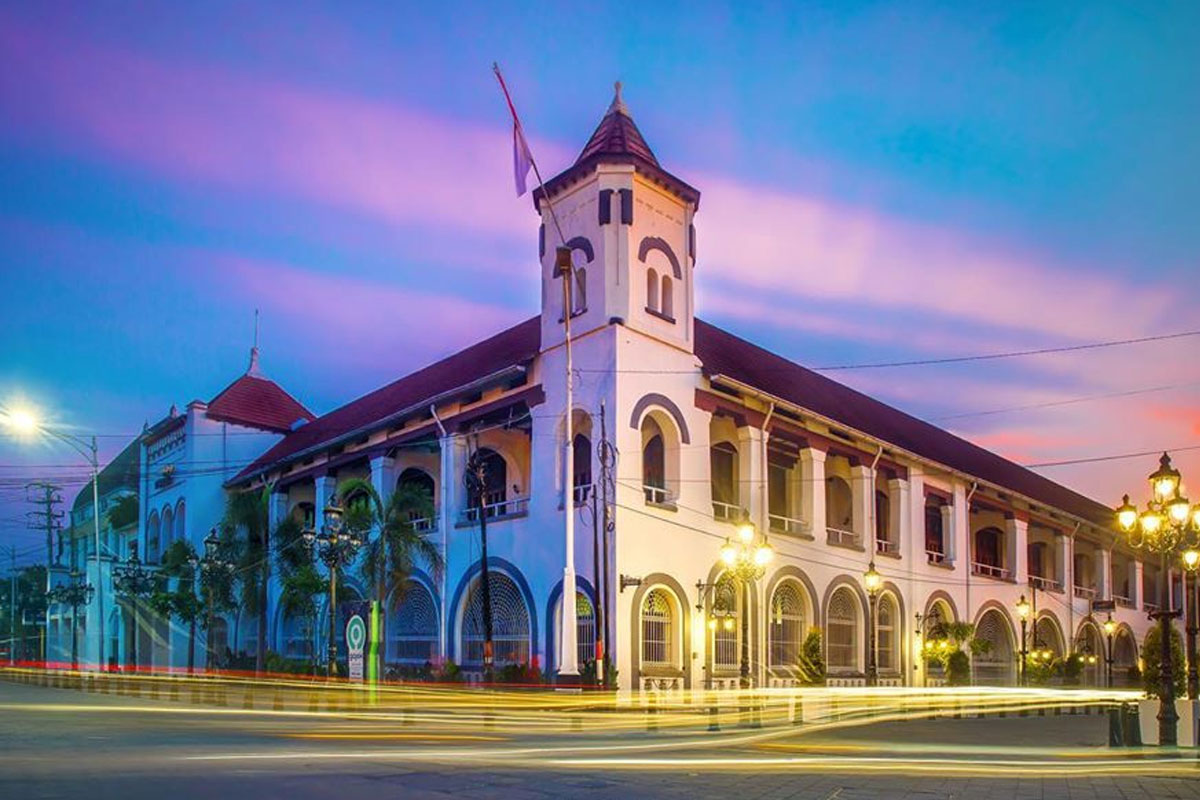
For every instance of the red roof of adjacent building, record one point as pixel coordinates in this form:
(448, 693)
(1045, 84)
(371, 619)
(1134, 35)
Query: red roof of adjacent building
(617, 140)
(258, 402)
(517, 345)
(721, 353)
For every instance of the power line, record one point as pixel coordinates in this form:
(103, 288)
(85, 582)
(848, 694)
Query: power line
(1111, 458)
(1070, 401)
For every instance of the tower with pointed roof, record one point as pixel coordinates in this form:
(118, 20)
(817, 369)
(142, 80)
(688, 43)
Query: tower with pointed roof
(629, 225)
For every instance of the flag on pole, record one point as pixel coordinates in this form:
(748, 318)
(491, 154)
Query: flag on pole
(522, 160)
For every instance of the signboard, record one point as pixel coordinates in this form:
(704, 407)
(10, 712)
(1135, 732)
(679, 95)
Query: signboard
(1104, 605)
(362, 635)
(356, 644)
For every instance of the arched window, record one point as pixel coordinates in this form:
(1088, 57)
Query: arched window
(654, 467)
(419, 483)
(581, 455)
(658, 630)
(996, 664)
(585, 628)
(1124, 650)
(651, 290)
(1045, 636)
(839, 504)
(786, 629)
(168, 530)
(726, 633)
(510, 622)
(247, 633)
(882, 509)
(668, 298)
(886, 634)
(723, 462)
(153, 537)
(413, 634)
(842, 621)
(580, 291)
(989, 550)
(297, 635)
(180, 520)
(495, 483)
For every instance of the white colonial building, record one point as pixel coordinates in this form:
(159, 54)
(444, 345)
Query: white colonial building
(704, 428)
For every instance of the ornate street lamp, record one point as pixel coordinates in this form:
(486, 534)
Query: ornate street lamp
(1110, 627)
(134, 581)
(873, 582)
(74, 593)
(1191, 562)
(1168, 526)
(746, 557)
(214, 568)
(336, 547)
(1023, 609)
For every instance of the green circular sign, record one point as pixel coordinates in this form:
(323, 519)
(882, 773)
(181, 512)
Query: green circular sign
(356, 632)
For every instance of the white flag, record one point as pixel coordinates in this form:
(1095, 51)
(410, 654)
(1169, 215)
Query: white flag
(522, 160)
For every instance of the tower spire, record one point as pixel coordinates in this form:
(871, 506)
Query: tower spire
(618, 102)
(253, 369)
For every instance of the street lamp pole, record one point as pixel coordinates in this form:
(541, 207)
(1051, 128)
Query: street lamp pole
(1168, 525)
(135, 582)
(746, 559)
(78, 592)
(1191, 561)
(1110, 628)
(1023, 609)
(336, 547)
(212, 565)
(873, 582)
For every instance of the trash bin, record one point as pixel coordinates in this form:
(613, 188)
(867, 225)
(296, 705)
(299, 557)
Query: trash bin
(1116, 723)
(1132, 725)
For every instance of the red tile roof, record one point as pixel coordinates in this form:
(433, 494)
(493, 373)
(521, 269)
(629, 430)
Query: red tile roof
(617, 140)
(257, 402)
(721, 353)
(725, 354)
(517, 345)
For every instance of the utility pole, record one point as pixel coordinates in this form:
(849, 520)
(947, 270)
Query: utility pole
(12, 604)
(49, 519)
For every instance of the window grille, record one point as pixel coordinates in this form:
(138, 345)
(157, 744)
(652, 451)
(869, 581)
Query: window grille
(414, 632)
(658, 619)
(585, 629)
(786, 629)
(727, 608)
(510, 622)
(885, 634)
(842, 645)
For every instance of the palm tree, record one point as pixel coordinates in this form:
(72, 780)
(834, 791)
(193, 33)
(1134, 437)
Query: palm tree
(397, 547)
(248, 514)
(301, 582)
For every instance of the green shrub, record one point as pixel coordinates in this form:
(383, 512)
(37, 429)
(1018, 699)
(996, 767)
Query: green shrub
(523, 674)
(1072, 669)
(810, 666)
(958, 668)
(1152, 657)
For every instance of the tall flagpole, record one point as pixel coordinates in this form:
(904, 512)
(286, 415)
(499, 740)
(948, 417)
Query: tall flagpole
(568, 661)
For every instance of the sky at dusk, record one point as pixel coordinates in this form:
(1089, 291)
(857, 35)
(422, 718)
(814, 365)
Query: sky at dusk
(880, 182)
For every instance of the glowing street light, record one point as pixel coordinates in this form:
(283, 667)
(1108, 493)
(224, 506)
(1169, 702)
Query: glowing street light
(25, 423)
(1023, 609)
(1169, 527)
(872, 582)
(746, 558)
(1110, 627)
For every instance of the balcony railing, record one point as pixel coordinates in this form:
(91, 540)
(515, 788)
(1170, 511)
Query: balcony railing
(657, 495)
(1045, 584)
(581, 492)
(497, 509)
(936, 557)
(1151, 607)
(990, 571)
(841, 538)
(887, 547)
(782, 524)
(726, 512)
(1123, 601)
(1086, 592)
(424, 524)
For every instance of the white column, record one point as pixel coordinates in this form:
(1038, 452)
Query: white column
(453, 452)
(1137, 591)
(812, 491)
(1062, 560)
(899, 530)
(1017, 543)
(862, 488)
(751, 474)
(1104, 573)
(383, 477)
(958, 538)
(324, 487)
(914, 532)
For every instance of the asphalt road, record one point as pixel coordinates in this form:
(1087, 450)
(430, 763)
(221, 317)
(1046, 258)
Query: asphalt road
(63, 743)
